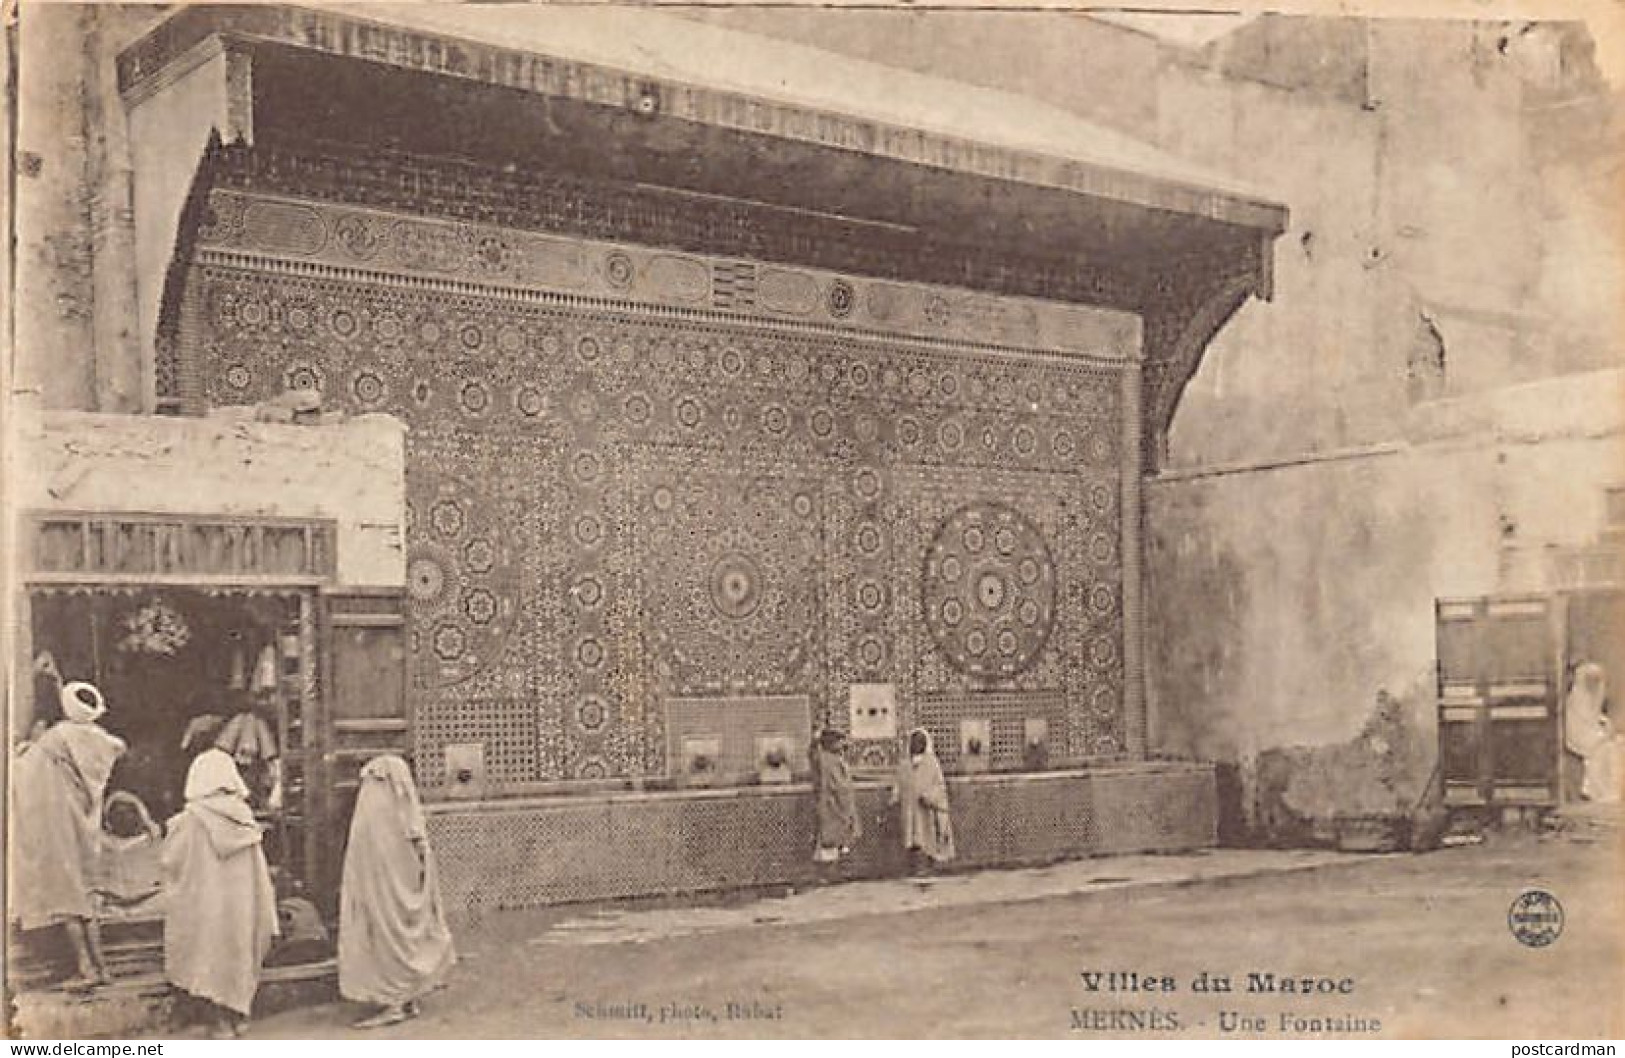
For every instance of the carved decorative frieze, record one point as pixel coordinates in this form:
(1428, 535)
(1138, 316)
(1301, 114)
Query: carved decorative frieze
(412, 247)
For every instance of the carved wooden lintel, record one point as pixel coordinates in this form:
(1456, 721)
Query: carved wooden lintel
(155, 549)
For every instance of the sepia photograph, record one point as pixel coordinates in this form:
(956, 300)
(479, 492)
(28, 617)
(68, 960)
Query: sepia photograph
(584, 521)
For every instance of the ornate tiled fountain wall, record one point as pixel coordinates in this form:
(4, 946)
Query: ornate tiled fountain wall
(637, 475)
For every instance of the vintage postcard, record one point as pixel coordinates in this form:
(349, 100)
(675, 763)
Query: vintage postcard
(722, 521)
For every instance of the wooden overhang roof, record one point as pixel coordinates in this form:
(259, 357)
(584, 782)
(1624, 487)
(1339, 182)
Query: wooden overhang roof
(1005, 192)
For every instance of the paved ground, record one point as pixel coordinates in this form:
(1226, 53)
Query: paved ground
(1422, 941)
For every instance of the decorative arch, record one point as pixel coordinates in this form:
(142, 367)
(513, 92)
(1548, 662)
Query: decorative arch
(174, 388)
(1177, 334)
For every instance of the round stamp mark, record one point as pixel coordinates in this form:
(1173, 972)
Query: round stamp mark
(1535, 918)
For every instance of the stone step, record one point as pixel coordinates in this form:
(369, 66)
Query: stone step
(130, 966)
(1591, 815)
(130, 947)
(49, 978)
(128, 1008)
(142, 1005)
(138, 1001)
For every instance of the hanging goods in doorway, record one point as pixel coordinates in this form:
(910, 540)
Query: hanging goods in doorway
(156, 629)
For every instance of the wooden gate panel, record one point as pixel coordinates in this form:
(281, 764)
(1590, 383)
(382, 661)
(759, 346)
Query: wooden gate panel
(1498, 701)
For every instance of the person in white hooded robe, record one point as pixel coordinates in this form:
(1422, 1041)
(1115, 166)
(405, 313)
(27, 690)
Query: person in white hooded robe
(1590, 735)
(220, 906)
(394, 946)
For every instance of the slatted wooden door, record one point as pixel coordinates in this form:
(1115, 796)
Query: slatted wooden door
(366, 709)
(1498, 664)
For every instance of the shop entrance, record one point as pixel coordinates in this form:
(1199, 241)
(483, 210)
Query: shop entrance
(199, 631)
(183, 668)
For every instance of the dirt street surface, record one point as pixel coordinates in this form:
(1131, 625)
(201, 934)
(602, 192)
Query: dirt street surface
(1401, 945)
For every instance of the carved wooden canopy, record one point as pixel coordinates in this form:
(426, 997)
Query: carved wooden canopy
(654, 152)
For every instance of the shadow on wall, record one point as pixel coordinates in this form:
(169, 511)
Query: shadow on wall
(1374, 791)
(1198, 598)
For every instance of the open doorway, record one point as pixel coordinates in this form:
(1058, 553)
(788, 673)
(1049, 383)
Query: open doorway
(167, 659)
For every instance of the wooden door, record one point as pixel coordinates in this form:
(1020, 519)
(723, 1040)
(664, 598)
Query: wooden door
(365, 712)
(1498, 701)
